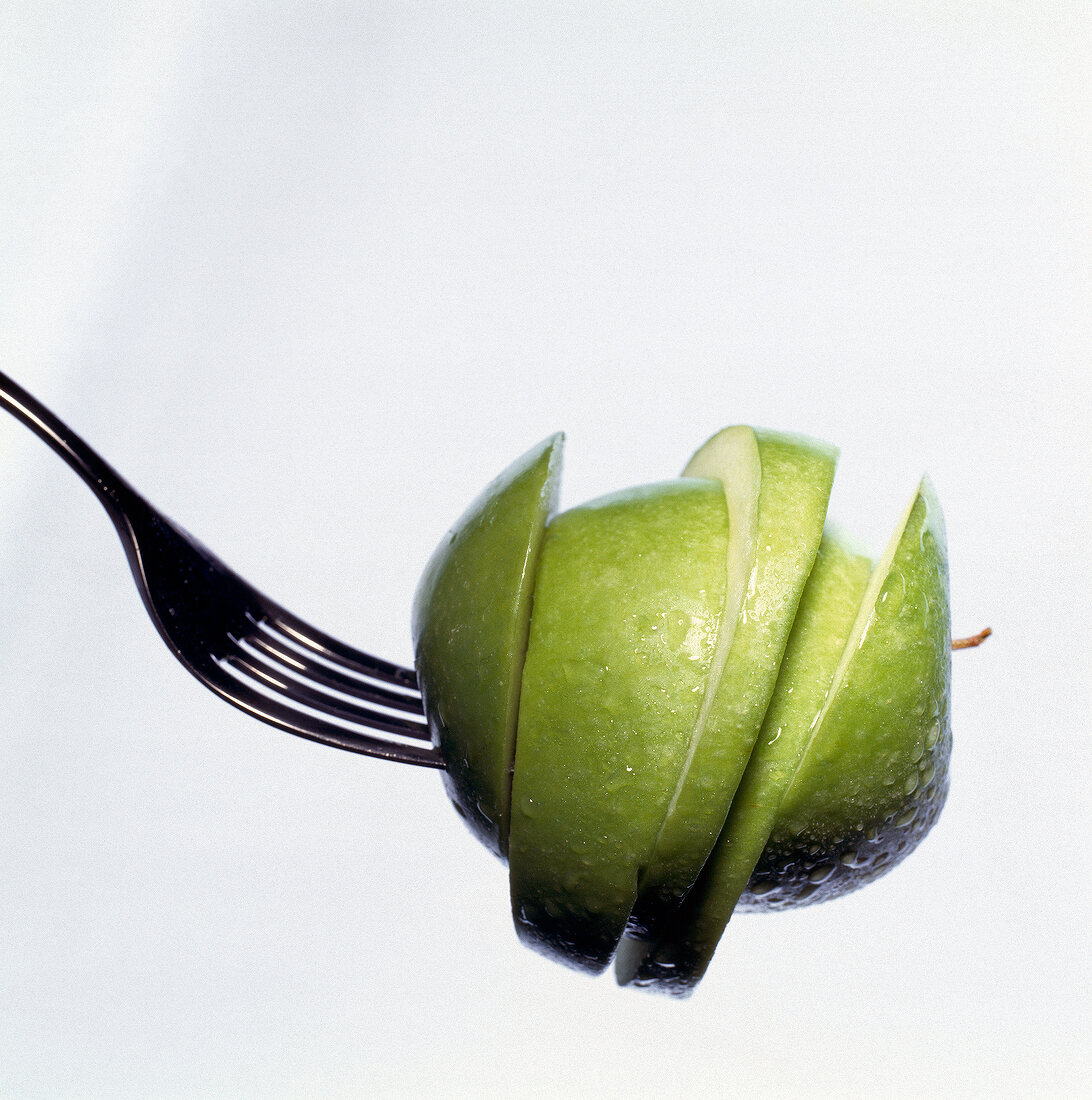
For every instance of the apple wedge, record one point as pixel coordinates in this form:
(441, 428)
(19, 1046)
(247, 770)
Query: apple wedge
(471, 616)
(626, 610)
(872, 773)
(777, 488)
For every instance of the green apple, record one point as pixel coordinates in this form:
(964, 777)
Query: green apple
(626, 609)
(855, 774)
(471, 616)
(777, 488)
(676, 702)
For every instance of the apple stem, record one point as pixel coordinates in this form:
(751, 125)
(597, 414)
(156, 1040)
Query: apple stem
(972, 641)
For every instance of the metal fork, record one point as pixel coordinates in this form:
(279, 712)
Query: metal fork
(240, 644)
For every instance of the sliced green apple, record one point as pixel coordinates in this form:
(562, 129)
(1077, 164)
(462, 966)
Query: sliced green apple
(777, 489)
(471, 616)
(678, 956)
(627, 604)
(872, 777)
(627, 703)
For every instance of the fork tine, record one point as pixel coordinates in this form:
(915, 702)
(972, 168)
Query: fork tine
(271, 710)
(328, 677)
(303, 634)
(304, 695)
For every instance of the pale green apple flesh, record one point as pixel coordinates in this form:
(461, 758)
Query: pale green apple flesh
(683, 700)
(471, 615)
(777, 488)
(627, 604)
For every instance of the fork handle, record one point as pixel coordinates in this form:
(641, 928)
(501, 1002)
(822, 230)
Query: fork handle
(114, 492)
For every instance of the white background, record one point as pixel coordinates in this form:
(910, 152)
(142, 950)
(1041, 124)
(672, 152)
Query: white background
(310, 274)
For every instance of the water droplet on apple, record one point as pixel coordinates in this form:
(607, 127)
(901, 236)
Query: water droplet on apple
(933, 735)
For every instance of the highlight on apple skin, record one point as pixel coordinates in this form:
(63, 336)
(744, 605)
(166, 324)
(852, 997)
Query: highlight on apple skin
(686, 699)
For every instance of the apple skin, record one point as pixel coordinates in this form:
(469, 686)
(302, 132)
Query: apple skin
(471, 616)
(870, 783)
(627, 606)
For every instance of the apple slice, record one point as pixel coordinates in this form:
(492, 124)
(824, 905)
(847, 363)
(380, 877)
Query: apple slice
(828, 607)
(777, 488)
(471, 616)
(626, 609)
(873, 775)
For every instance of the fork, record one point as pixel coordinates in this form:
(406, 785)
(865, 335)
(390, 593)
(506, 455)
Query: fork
(239, 643)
